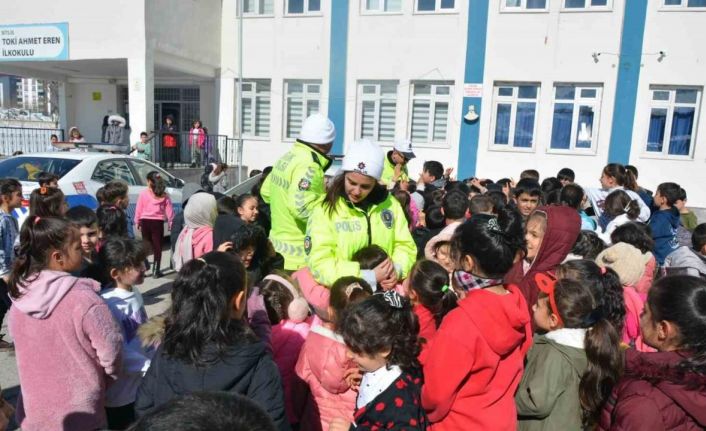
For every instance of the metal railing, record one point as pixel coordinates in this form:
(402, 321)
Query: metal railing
(187, 150)
(27, 140)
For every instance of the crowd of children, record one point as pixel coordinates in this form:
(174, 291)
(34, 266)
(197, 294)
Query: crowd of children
(531, 305)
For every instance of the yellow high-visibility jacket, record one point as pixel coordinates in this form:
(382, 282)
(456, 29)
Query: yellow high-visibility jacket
(388, 171)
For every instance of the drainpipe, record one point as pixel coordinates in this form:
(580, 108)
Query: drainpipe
(239, 95)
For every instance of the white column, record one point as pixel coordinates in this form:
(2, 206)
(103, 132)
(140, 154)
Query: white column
(63, 109)
(140, 77)
(226, 106)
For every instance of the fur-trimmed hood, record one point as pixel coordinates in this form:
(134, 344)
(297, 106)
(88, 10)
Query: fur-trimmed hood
(151, 333)
(117, 120)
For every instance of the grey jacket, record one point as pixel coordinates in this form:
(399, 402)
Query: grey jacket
(685, 261)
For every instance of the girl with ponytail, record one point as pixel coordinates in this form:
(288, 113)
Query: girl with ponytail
(207, 344)
(665, 390)
(62, 327)
(616, 177)
(572, 367)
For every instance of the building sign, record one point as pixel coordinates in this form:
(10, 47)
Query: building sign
(31, 42)
(472, 90)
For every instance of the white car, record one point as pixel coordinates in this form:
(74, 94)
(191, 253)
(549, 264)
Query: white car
(82, 174)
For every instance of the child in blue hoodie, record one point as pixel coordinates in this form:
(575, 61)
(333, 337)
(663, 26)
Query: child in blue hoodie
(665, 221)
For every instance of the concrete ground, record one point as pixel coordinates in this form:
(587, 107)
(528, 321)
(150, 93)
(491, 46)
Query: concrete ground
(156, 294)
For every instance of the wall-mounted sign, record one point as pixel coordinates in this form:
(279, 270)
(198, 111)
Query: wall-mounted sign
(472, 90)
(97, 95)
(31, 42)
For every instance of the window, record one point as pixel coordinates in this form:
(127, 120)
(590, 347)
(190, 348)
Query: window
(514, 115)
(377, 106)
(575, 117)
(435, 5)
(303, 7)
(586, 4)
(680, 4)
(26, 168)
(143, 168)
(523, 5)
(258, 7)
(673, 117)
(429, 113)
(381, 6)
(110, 170)
(256, 108)
(301, 100)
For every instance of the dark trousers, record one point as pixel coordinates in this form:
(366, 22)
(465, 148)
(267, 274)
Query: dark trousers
(152, 233)
(4, 300)
(169, 155)
(119, 418)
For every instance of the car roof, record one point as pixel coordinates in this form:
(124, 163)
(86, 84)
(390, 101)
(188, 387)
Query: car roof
(75, 155)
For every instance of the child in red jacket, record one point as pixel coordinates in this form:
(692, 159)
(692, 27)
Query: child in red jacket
(475, 362)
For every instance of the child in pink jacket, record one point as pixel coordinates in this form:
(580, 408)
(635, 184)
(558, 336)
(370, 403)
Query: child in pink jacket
(67, 343)
(288, 312)
(323, 366)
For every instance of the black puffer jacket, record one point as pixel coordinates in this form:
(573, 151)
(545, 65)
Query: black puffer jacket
(245, 369)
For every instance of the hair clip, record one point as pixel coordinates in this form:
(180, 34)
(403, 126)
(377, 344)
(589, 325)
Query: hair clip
(43, 190)
(627, 207)
(445, 288)
(593, 317)
(36, 220)
(603, 270)
(202, 260)
(392, 298)
(351, 287)
(547, 284)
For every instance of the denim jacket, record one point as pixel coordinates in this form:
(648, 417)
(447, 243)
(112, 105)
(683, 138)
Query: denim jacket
(9, 233)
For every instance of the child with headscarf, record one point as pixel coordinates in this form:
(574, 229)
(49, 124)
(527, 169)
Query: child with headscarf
(196, 239)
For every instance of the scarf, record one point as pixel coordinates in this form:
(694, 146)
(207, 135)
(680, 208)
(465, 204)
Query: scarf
(200, 212)
(467, 281)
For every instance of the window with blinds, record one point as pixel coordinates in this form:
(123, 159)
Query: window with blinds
(258, 7)
(256, 108)
(302, 98)
(429, 112)
(377, 108)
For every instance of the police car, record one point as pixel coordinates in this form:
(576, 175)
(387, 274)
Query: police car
(81, 174)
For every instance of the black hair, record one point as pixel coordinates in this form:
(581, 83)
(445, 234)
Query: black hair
(112, 191)
(82, 216)
(404, 199)
(8, 186)
(604, 284)
(528, 186)
(241, 199)
(571, 196)
(622, 176)
(639, 235)
(698, 237)
(44, 178)
(566, 174)
(498, 198)
(277, 298)
(504, 182)
(46, 202)
(552, 198)
(112, 221)
(200, 314)
(532, 174)
(492, 249)
(455, 205)
(157, 183)
(54, 135)
(251, 235)
(482, 204)
(433, 197)
(550, 184)
(434, 217)
(682, 194)
(434, 168)
(618, 202)
(681, 299)
(341, 297)
(430, 282)
(588, 245)
(39, 237)
(370, 256)
(226, 205)
(373, 326)
(121, 254)
(670, 191)
(457, 185)
(206, 411)
(254, 172)
(143, 134)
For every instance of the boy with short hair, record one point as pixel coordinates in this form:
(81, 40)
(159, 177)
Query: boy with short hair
(688, 218)
(123, 263)
(432, 175)
(532, 174)
(47, 179)
(665, 222)
(10, 199)
(527, 195)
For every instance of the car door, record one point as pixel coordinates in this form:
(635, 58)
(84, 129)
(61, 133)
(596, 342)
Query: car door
(142, 168)
(118, 169)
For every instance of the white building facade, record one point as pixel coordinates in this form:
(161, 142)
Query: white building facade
(556, 83)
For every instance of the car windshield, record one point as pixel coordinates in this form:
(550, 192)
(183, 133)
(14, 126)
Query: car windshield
(27, 168)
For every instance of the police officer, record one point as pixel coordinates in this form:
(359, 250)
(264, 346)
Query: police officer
(395, 168)
(356, 212)
(295, 185)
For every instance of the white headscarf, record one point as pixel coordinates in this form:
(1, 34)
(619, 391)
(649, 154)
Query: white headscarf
(200, 211)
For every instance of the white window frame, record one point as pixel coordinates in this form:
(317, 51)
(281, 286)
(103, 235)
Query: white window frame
(670, 105)
(588, 7)
(577, 102)
(437, 8)
(305, 98)
(306, 12)
(259, 13)
(522, 8)
(254, 96)
(664, 7)
(432, 98)
(377, 98)
(513, 100)
(380, 11)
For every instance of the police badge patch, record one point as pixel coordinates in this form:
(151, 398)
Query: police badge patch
(307, 244)
(304, 184)
(387, 218)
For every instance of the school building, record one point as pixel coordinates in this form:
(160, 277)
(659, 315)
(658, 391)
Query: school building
(489, 87)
